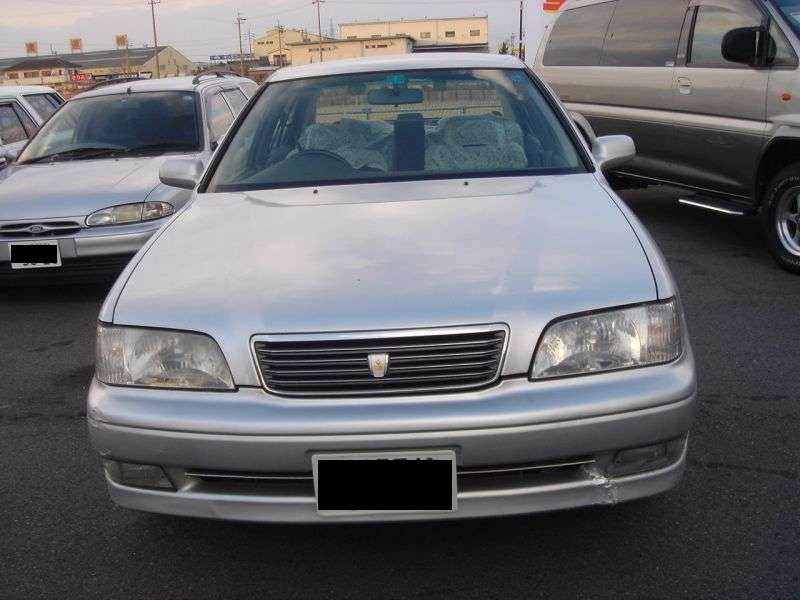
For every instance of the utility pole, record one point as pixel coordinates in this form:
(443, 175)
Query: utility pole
(519, 55)
(250, 40)
(239, 20)
(155, 36)
(280, 43)
(319, 27)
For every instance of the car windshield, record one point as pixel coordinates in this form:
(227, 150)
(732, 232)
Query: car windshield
(791, 10)
(118, 124)
(396, 125)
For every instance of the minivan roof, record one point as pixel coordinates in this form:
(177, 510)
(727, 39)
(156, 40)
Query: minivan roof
(17, 90)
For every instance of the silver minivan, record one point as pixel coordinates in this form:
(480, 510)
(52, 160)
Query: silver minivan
(708, 89)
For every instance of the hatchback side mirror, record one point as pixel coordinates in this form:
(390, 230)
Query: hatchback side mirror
(741, 45)
(611, 151)
(181, 173)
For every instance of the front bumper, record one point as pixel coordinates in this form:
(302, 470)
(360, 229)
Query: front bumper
(87, 255)
(513, 423)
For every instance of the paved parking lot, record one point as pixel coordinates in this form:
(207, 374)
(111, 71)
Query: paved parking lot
(732, 529)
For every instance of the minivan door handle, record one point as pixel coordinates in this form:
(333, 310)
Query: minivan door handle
(684, 85)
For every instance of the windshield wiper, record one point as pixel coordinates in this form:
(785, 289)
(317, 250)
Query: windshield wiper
(159, 147)
(74, 154)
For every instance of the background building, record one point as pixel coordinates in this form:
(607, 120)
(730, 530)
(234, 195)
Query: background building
(274, 45)
(63, 71)
(458, 33)
(304, 53)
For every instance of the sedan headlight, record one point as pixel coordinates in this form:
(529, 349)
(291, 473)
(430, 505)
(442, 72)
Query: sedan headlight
(160, 358)
(130, 213)
(638, 336)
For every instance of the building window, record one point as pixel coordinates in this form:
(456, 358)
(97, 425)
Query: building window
(382, 46)
(351, 37)
(30, 74)
(425, 35)
(474, 32)
(12, 75)
(374, 36)
(259, 43)
(46, 73)
(448, 34)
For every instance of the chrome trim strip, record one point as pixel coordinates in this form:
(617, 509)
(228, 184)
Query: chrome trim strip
(695, 203)
(378, 335)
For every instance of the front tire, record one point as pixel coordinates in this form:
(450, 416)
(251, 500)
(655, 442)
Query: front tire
(780, 216)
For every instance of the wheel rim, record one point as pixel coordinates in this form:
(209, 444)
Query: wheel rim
(788, 215)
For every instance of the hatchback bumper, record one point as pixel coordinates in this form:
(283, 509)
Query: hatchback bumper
(235, 474)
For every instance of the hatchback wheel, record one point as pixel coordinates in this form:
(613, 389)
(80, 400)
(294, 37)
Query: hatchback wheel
(781, 217)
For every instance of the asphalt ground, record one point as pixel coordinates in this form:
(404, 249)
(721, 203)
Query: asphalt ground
(730, 530)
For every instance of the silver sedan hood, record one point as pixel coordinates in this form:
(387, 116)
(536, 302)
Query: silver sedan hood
(520, 251)
(75, 187)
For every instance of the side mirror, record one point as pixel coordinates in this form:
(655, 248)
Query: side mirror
(181, 172)
(741, 45)
(9, 154)
(611, 151)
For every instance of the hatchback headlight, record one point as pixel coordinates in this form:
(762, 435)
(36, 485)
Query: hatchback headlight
(638, 336)
(130, 213)
(159, 358)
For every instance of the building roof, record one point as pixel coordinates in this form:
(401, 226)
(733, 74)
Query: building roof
(371, 38)
(396, 21)
(93, 60)
(395, 62)
(44, 62)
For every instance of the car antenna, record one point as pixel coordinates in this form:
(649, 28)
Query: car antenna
(129, 89)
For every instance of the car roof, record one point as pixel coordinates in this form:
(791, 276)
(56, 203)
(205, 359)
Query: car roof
(169, 84)
(16, 90)
(396, 62)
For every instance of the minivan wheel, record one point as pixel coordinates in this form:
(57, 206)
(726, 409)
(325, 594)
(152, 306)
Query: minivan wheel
(781, 217)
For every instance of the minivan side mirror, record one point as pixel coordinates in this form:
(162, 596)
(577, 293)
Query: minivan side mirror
(741, 45)
(181, 172)
(611, 151)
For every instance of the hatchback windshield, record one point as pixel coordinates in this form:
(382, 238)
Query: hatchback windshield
(118, 124)
(790, 10)
(396, 125)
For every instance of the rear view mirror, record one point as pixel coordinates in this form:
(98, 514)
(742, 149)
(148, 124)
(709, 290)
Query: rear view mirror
(741, 45)
(611, 151)
(181, 173)
(9, 154)
(396, 95)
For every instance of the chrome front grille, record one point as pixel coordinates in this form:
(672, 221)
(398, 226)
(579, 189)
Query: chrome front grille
(39, 230)
(419, 361)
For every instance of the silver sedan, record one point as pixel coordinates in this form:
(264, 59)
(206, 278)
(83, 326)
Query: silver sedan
(403, 290)
(84, 194)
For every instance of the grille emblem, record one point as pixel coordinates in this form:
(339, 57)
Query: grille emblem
(36, 228)
(378, 364)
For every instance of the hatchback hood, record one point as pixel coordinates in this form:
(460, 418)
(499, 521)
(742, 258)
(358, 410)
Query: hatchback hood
(387, 256)
(76, 187)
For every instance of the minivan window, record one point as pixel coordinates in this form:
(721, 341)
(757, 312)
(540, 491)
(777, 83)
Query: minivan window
(220, 116)
(577, 37)
(644, 33)
(710, 26)
(781, 53)
(397, 125)
(790, 9)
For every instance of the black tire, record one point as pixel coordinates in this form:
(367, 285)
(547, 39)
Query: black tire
(783, 236)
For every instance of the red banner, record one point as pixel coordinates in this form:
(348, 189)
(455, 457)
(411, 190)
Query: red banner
(552, 6)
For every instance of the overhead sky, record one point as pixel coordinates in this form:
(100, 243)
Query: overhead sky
(199, 28)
